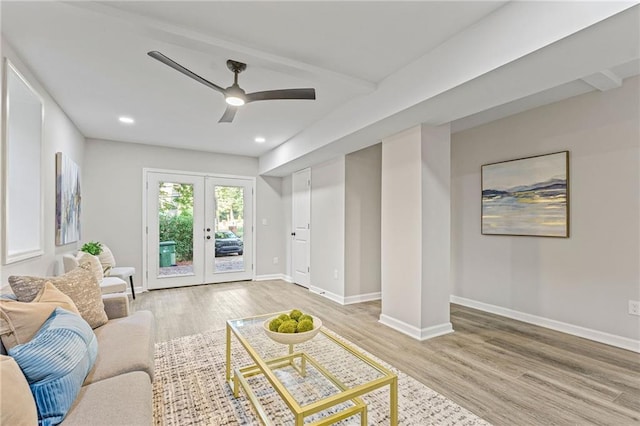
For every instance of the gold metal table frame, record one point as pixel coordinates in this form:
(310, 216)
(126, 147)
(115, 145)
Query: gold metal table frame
(266, 367)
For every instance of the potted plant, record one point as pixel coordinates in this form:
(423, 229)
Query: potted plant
(92, 247)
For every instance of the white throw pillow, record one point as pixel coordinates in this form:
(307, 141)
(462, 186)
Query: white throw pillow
(107, 260)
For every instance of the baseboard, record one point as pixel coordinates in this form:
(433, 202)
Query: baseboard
(586, 333)
(359, 298)
(270, 277)
(348, 300)
(415, 332)
(331, 296)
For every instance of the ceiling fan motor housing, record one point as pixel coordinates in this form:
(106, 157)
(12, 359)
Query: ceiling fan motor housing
(235, 66)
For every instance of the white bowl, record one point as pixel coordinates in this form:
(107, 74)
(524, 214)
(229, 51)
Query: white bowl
(292, 338)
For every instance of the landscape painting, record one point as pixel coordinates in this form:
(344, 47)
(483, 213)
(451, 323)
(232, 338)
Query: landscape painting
(528, 196)
(67, 200)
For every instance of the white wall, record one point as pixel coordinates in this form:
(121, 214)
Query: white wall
(363, 174)
(59, 135)
(113, 201)
(587, 279)
(327, 227)
(401, 227)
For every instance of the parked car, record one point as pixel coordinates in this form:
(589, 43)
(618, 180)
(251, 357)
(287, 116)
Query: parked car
(227, 242)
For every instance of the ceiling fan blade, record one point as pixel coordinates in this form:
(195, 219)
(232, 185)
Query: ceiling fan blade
(281, 94)
(176, 66)
(228, 115)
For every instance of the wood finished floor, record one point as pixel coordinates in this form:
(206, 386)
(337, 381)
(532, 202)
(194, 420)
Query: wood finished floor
(505, 371)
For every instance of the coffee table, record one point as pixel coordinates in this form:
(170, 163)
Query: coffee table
(320, 380)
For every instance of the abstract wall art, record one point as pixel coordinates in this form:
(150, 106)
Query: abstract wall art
(68, 199)
(527, 196)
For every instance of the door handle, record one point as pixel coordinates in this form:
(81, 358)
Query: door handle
(208, 237)
(208, 229)
(293, 234)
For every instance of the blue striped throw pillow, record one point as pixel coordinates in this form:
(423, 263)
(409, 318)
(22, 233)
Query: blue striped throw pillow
(56, 362)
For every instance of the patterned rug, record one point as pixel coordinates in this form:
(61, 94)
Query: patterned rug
(190, 389)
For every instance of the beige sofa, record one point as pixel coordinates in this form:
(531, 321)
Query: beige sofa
(118, 389)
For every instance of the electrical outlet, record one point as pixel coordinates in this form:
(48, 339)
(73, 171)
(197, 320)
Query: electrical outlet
(634, 307)
(275, 260)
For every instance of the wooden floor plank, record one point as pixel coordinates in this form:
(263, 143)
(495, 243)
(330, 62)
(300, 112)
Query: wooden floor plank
(506, 371)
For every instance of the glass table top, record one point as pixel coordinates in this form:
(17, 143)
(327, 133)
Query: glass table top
(333, 366)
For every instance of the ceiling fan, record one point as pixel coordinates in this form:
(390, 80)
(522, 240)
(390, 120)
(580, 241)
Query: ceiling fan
(234, 95)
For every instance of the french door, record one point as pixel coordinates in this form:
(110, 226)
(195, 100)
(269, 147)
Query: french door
(199, 229)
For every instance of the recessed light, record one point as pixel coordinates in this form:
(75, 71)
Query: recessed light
(126, 120)
(260, 139)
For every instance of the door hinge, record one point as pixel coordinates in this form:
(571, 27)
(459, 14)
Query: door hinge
(147, 230)
(308, 268)
(147, 184)
(308, 226)
(308, 182)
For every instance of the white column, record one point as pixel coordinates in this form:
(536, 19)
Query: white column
(416, 231)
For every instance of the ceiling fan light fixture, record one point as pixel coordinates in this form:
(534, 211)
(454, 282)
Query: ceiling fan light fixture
(234, 100)
(234, 95)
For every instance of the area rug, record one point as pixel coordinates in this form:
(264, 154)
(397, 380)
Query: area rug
(190, 389)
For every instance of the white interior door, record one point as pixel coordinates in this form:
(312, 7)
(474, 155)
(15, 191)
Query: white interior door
(301, 250)
(199, 229)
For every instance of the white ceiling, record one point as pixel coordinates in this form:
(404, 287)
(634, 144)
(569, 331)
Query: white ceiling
(91, 57)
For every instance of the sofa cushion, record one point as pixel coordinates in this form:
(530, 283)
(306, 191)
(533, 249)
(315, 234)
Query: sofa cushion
(16, 400)
(20, 321)
(118, 401)
(126, 344)
(56, 362)
(112, 285)
(79, 284)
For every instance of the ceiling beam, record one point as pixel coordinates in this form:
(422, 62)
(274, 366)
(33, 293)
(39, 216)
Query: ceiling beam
(205, 43)
(603, 80)
(512, 32)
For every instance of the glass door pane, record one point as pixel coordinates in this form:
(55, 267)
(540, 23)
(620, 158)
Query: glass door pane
(175, 228)
(228, 214)
(175, 222)
(229, 234)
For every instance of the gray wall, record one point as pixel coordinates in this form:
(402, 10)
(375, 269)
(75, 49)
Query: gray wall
(363, 174)
(585, 280)
(327, 226)
(59, 134)
(113, 201)
(270, 225)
